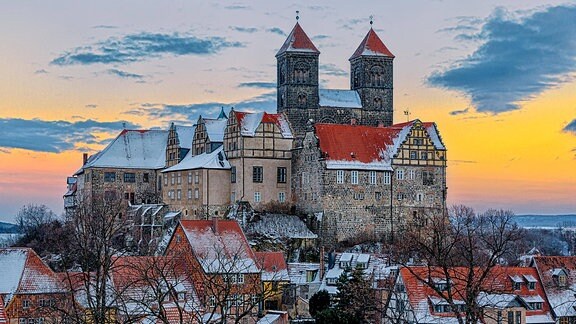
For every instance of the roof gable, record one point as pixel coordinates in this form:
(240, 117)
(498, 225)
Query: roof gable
(372, 45)
(213, 160)
(298, 41)
(248, 123)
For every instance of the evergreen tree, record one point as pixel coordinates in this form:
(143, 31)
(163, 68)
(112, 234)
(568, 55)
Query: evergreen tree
(356, 300)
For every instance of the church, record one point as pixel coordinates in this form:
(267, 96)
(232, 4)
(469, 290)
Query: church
(333, 156)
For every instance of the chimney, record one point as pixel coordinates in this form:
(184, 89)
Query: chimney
(84, 158)
(380, 124)
(215, 224)
(321, 262)
(352, 121)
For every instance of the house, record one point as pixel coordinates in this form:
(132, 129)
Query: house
(558, 275)
(368, 182)
(274, 278)
(221, 265)
(507, 295)
(30, 292)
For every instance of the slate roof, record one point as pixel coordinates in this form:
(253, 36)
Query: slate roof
(562, 299)
(249, 122)
(298, 41)
(420, 295)
(213, 160)
(372, 45)
(366, 147)
(220, 249)
(339, 98)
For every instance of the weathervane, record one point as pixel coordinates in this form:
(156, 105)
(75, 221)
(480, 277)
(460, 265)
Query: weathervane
(371, 20)
(407, 114)
(297, 15)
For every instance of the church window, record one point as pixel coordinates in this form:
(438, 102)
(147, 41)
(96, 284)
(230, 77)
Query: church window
(373, 177)
(301, 73)
(354, 177)
(356, 77)
(340, 176)
(376, 76)
(302, 100)
(387, 177)
(281, 73)
(377, 103)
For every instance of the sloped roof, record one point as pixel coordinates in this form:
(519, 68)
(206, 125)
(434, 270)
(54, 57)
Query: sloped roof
(221, 249)
(562, 299)
(298, 41)
(215, 128)
(339, 98)
(213, 160)
(273, 265)
(23, 272)
(497, 282)
(372, 45)
(138, 149)
(185, 136)
(3, 317)
(249, 122)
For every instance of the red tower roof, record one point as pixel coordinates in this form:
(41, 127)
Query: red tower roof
(298, 41)
(372, 45)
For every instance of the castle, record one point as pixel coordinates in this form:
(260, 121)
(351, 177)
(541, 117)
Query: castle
(334, 155)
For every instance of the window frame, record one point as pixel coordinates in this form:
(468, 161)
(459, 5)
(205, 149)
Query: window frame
(354, 177)
(257, 174)
(340, 176)
(281, 173)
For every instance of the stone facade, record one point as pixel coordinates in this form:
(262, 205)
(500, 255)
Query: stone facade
(364, 203)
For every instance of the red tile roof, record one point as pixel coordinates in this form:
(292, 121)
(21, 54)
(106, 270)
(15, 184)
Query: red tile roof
(372, 45)
(354, 142)
(271, 261)
(298, 41)
(249, 122)
(498, 281)
(561, 298)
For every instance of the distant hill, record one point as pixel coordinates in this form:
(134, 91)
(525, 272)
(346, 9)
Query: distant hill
(8, 228)
(546, 221)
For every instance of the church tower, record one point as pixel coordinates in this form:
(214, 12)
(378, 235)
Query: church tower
(297, 79)
(371, 76)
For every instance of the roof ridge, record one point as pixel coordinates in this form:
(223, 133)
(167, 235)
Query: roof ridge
(372, 45)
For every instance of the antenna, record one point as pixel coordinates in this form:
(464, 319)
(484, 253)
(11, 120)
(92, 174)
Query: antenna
(297, 15)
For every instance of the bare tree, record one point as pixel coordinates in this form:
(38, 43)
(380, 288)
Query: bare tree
(31, 217)
(460, 249)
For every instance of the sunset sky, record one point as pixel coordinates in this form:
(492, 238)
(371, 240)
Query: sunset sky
(498, 77)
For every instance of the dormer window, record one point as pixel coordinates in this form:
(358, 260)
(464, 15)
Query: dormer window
(516, 282)
(560, 276)
(562, 280)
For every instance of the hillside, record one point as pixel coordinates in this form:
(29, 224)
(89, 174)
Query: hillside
(8, 228)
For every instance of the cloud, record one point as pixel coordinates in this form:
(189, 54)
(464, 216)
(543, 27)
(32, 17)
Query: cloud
(320, 37)
(459, 112)
(142, 46)
(241, 29)
(276, 30)
(331, 69)
(263, 85)
(41, 71)
(518, 59)
(91, 106)
(571, 127)
(104, 27)
(190, 112)
(124, 74)
(236, 7)
(53, 136)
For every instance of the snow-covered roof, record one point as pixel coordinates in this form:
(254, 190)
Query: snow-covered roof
(298, 41)
(273, 266)
(298, 272)
(561, 298)
(495, 300)
(280, 226)
(213, 160)
(137, 149)
(372, 45)
(215, 129)
(249, 122)
(12, 263)
(339, 98)
(185, 136)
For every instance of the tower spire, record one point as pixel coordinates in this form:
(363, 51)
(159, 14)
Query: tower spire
(371, 20)
(297, 15)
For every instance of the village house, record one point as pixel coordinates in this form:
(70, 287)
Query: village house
(274, 278)
(512, 295)
(30, 292)
(558, 275)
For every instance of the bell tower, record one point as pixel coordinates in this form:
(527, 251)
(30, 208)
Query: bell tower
(371, 75)
(297, 79)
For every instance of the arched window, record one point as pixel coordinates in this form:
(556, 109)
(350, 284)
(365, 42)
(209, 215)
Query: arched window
(377, 76)
(377, 103)
(302, 100)
(301, 72)
(282, 73)
(356, 77)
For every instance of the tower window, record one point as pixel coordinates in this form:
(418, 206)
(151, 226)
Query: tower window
(378, 103)
(302, 100)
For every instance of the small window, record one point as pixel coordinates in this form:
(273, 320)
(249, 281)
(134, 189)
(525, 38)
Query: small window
(196, 177)
(257, 174)
(419, 197)
(378, 196)
(516, 285)
(189, 177)
(281, 175)
(173, 178)
(387, 178)
(282, 197)
(412, 174)
(400, 196)
(340, 176)
(109, 176)
(354, 177)
(413, 155)
(257, 197)
(373, 177)
(196, 193)
(145, 177)
(240, 278)
(423, 155)
(179, 177)
(178, 194)
(400, 174)
(233, 174)
(129, 177)
(212, 301)
(25, 303)
(427, 178)
(531, 285)
(165, 179)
